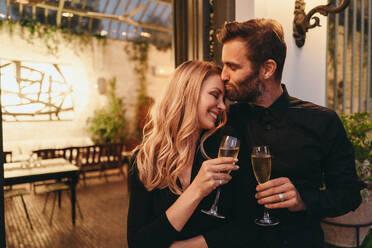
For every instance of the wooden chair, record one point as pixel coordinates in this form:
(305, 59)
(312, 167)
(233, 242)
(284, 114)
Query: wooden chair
(7, 157)
(57, 188)
(72, 154)
(49, 153)
(18, 192)
(90, 160)
(112, 157)
(10, 193)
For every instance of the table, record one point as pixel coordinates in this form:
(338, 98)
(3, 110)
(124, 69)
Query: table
(56, 169)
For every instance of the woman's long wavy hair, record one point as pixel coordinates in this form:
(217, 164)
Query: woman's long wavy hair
(171, 133)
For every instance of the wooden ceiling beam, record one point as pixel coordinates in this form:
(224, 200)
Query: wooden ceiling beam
(60, 8)
(105, 17)
(162, 2)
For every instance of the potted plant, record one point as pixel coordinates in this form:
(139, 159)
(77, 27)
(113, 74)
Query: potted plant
(357, 127)
(108, 124)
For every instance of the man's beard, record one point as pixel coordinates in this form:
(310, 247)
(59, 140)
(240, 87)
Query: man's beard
(249, 89)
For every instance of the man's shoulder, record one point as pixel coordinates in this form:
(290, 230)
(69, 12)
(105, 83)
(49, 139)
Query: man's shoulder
(310, 108)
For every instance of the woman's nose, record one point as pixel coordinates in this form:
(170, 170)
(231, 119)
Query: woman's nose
(221, 106)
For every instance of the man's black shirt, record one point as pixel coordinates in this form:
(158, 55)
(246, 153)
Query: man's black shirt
(308, 145)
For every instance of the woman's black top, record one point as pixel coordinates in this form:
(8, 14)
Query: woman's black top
(148, 225)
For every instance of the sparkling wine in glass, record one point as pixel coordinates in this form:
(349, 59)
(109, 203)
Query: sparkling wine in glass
(229, 147)
(261, 165)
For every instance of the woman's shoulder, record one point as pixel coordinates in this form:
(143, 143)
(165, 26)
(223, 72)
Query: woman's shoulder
(133, 172)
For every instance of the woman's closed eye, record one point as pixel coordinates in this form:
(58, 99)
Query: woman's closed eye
(215, 94)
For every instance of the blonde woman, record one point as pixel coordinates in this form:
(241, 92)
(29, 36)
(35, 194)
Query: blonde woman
(170, 181)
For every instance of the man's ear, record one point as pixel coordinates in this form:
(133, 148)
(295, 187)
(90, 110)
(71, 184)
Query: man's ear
(267, 70)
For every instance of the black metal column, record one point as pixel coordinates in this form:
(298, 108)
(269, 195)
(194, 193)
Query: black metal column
(180, 31)
(195, 24)
(2, 216)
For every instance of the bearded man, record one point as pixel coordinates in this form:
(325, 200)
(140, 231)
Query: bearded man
(307, 142)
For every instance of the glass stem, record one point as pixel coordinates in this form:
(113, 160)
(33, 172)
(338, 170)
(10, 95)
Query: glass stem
(214, 206)
(266, 214)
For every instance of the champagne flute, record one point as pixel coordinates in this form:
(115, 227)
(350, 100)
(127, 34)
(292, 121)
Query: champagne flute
(229, 147)
(261, 165)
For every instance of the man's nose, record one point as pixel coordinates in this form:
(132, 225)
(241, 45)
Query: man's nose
(224, 75)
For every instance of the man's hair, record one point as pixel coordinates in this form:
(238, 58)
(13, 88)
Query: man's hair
(264, 40)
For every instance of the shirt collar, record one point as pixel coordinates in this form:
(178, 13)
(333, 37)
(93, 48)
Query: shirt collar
(281, 104)
(277, 108)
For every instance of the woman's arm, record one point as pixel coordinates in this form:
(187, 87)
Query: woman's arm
(145, 230)
(196, 242)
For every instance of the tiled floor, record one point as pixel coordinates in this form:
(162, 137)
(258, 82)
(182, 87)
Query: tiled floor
(104, 206)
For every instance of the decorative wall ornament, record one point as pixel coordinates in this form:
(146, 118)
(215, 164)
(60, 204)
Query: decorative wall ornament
(35, 91)
(212, 31)
(301, 21)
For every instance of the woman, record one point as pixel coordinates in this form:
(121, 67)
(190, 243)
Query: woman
(170, 181)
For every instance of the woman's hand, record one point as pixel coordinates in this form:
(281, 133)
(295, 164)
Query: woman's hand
(213, 173)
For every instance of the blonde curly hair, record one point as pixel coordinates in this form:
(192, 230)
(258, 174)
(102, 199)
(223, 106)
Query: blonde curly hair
(171, 133)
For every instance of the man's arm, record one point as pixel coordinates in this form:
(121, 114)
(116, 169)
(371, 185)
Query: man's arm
(342, 192)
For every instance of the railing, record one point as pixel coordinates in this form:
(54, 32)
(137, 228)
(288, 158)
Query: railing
(90, 158)
(349, 58)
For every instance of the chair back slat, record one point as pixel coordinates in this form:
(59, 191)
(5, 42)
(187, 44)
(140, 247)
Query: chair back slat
(7, 157)
(50, 153)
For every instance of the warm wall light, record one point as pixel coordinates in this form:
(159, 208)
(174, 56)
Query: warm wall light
(102, 86)
(301, 21)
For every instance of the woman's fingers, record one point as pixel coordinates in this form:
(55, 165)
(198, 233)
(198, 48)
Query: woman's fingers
(221, 164)
(223, 160)
(222, 176)
(222, 167)
(214, 173)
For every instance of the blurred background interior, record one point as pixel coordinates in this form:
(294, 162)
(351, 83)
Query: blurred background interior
(78, 77)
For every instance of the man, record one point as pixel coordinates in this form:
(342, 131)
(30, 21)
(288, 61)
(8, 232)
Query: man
(308, 143)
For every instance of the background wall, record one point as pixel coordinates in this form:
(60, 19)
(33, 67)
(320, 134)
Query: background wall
(89, 62)
(305, 68)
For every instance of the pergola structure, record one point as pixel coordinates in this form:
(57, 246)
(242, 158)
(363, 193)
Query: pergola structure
(118, 19)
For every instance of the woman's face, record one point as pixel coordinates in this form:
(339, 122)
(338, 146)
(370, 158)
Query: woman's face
(211, 101)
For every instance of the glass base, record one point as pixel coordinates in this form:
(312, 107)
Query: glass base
(272, 221)
(214, 213)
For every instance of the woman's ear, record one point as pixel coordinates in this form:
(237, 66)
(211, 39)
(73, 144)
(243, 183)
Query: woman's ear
(267, 70)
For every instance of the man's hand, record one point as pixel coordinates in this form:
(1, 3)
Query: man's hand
(280, 193)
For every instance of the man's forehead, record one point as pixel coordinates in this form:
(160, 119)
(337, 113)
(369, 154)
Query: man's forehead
(234, 51)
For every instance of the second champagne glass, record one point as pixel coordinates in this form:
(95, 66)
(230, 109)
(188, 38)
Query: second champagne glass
(229, 147)
(261, 165)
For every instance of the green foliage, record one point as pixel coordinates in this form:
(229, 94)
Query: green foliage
(138, 51)
(357, 126)
(50, 34)
(367, 242)
(138, 54)
(108, 125)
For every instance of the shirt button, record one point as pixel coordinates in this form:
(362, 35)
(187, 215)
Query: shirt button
(268, 127)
